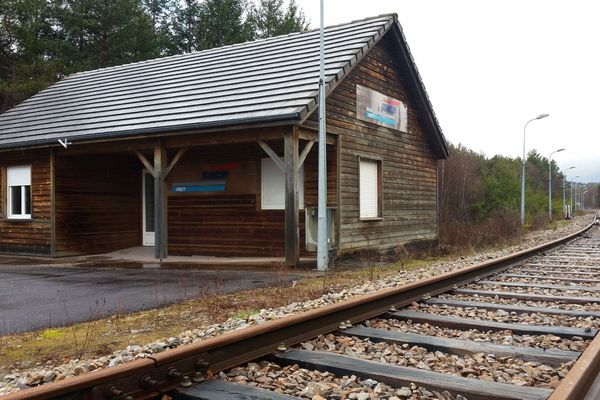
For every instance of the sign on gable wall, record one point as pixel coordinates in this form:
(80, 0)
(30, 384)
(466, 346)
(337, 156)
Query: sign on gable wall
(375, 107)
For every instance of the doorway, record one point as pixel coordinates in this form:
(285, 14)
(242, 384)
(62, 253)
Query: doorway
(147, 209)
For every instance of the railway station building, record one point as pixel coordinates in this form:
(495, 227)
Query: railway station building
(214, 152)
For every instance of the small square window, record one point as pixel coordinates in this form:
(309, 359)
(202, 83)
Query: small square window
(18, 182)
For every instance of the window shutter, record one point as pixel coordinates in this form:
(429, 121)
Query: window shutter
(369, 193)
(273, 186)
(18, 176)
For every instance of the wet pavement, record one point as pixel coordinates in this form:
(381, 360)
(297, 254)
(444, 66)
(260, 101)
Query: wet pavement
(36, 297)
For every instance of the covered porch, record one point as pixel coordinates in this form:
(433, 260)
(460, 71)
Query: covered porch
(242, 194)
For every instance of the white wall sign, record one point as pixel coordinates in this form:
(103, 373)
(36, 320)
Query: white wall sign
(375, 107)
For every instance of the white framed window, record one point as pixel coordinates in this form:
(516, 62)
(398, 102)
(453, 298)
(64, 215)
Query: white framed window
(18, 183)
(369, 189)
(272, 183)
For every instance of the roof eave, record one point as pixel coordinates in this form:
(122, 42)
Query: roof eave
(280, 120)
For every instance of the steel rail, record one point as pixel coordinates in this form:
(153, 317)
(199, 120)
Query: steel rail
(157, 374)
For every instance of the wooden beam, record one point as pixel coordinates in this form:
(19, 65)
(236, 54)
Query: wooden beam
(160, 202)
(520, 309)
(272, 154)
(232, 137)
(529, 296)
(304, 154)
(554, 357)
(223, 390)
(175, 160)
(551, 278)
(485, 325)
(396, 376)
(292, 229)
(310, 133)
(555, 272)
(146, 163)
(539, 285)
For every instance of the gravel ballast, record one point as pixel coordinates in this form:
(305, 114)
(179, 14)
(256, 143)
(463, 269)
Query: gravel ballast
(15, 379)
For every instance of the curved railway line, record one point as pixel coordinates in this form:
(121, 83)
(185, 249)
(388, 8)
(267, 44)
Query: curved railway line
(520, 327)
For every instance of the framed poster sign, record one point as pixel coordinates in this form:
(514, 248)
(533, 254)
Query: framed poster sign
(375, 107)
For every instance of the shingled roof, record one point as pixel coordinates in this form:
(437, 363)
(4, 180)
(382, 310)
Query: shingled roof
(273, 80)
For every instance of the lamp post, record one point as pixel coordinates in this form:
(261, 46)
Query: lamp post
(564, 203)
(571, 186)
(550, 183)
(583, 199)
(523, 168)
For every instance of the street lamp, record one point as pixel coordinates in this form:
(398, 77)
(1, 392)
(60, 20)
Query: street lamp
(564, 203)
(523, 168)
(583, 199)
(571, 186)
(550, 183)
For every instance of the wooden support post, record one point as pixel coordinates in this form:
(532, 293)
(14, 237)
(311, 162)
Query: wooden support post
(292, 230)
(52, 203)
(160, 202)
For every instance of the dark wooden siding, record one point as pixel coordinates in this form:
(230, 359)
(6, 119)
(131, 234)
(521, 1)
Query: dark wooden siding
(231, 223)
(97, 203)
(31, 236)
(409, 163)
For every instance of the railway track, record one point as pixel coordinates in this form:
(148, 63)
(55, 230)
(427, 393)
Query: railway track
(520, 327)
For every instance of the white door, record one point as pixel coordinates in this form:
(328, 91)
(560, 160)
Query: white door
(148, 208)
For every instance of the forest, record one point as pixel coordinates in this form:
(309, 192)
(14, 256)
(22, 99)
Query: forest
(42, 41)
(480, 197)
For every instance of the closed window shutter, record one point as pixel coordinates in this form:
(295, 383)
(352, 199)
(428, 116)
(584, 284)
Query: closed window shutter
(273, 186)
(369, 193)
(18, 176)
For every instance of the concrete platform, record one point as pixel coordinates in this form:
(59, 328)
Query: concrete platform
(145, 255)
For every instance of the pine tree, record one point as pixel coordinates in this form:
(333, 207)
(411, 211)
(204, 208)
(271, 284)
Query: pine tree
(105, 33)
(224, 22)
(272, 19)
(185, 34)
(28, 50)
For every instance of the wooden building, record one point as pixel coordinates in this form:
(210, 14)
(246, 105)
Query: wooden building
(211, 153)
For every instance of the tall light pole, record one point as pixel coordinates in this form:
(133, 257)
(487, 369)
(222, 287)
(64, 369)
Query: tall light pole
(550, 183)
(322, 245)
(564, 203)
(523, 168)
(583, 199)
(571, 186)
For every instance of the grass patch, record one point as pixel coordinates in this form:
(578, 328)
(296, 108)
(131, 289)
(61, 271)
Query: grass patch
(244, 314)
(51, 334)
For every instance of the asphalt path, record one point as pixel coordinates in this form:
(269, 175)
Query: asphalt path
(38, 297)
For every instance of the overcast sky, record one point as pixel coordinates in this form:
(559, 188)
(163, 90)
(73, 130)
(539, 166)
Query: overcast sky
(489, 66)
